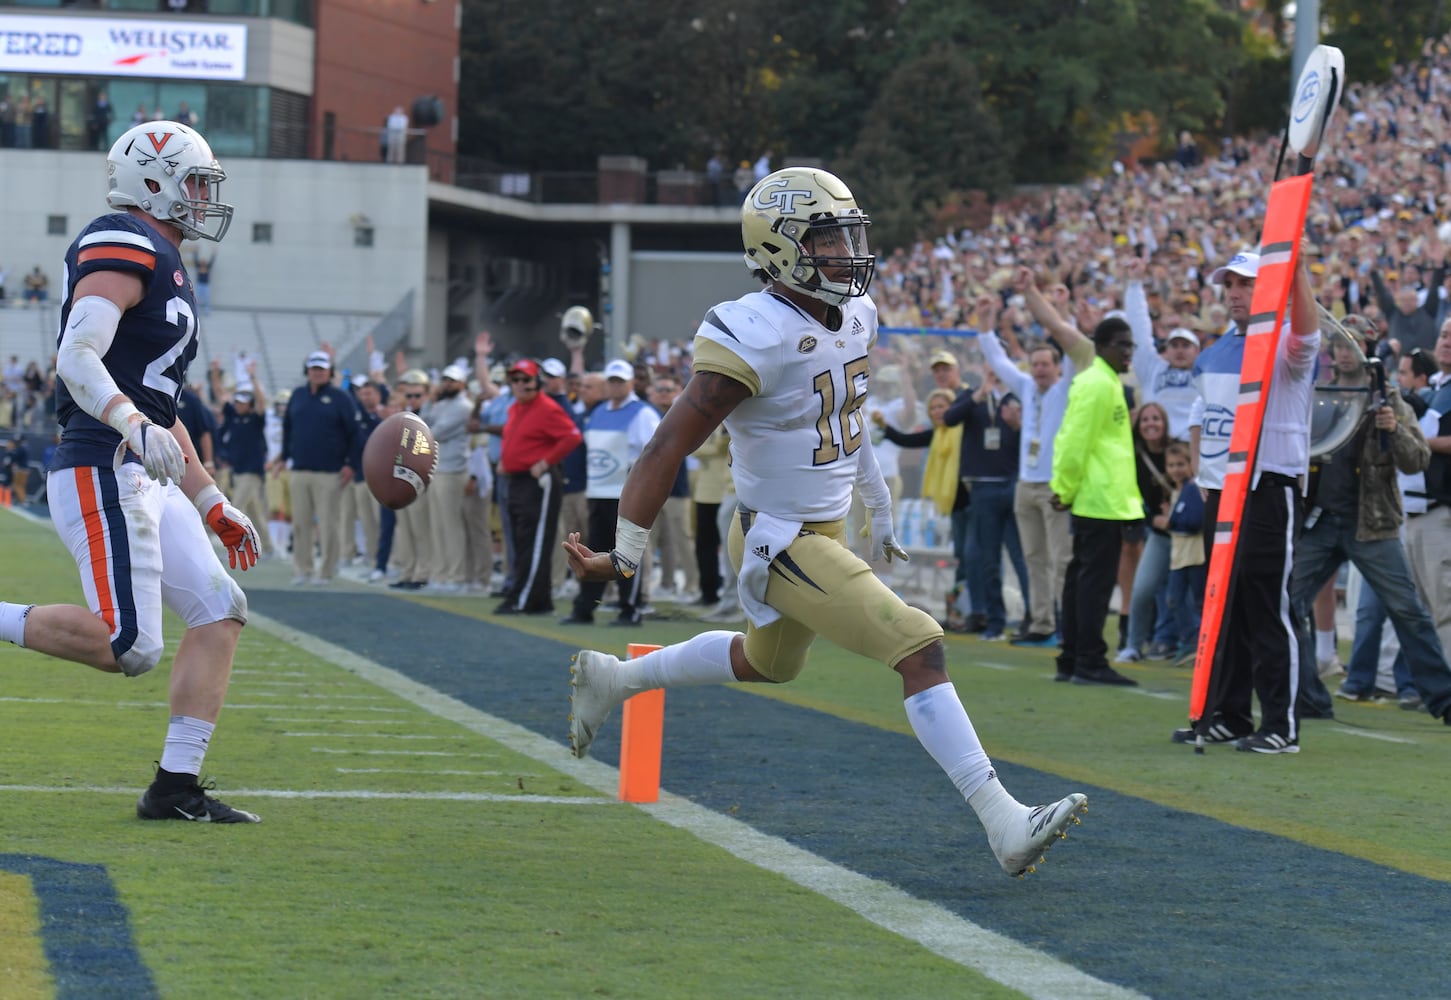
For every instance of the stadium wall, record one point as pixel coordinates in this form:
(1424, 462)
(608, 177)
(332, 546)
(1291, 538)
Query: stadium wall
(320, 214)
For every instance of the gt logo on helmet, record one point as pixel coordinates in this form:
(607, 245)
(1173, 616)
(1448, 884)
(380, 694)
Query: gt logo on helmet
(782, 198)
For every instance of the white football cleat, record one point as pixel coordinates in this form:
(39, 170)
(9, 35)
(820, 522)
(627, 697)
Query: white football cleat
(595, 689)
(1021, 843)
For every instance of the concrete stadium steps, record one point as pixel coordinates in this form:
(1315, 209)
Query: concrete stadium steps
(279, 341)
(29, 333)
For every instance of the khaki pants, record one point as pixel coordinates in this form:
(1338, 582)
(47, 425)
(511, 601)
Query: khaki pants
(478, 539)
(358, 506)
(573, 516)
(1428, 546)
(677, 550)
(445, 499)
(1047, 548)
(412, 545)
(315, 495)
(249, 495)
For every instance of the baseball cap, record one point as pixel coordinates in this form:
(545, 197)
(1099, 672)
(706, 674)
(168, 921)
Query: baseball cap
(553, 367)
(319, 359)
(526, 366)
(1245, 262)
(620, 369)
(414, 376)
(1182, 333)
(454, 373)
(243, 396)
(943, 358)
(359, 381)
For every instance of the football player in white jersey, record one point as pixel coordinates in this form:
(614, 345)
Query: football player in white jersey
(785, 369)
(127, 492)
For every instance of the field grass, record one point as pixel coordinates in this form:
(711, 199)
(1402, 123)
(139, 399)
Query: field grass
(406, 854)
(505, 896)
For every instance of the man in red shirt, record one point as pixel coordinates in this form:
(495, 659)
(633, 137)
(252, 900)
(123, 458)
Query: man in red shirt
(537, 435)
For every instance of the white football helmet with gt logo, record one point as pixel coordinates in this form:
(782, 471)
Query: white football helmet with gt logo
(167, 170)
(802, 227)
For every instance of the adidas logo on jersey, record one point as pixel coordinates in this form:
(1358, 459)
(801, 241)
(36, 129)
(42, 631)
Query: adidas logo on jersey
(857, 327)
(762, 552)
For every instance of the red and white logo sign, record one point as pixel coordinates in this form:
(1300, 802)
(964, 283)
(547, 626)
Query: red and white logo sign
(176, 275)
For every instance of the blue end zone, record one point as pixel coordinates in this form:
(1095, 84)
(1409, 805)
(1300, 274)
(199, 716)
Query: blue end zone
(84, 929)
(1166, 902)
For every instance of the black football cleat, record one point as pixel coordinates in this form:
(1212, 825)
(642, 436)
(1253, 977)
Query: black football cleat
(190, 802)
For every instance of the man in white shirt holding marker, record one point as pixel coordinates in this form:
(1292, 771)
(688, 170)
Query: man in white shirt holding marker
(1043, 390)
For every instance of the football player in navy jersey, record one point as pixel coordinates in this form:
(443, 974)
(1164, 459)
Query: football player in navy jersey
(128, 493)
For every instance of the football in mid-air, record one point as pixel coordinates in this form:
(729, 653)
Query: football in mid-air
(399, 459)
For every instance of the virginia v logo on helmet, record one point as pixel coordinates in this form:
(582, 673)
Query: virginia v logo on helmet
(802, 226)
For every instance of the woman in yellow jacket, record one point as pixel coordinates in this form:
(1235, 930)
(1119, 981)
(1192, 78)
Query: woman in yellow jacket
(1094, 476)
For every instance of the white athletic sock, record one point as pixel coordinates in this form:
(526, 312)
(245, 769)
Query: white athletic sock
(1325, 644)
(943, 728)
(12, 622)
(186, 745)
(704, 659)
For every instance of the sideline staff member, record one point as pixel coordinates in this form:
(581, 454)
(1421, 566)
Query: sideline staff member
(1260, 629)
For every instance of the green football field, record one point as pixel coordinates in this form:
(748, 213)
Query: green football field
(426, 833)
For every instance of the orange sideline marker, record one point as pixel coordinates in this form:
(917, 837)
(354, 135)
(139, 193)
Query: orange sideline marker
(642, 732)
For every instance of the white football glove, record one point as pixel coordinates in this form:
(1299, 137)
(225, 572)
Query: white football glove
(884, 536)
(159, 450)
(235, 529)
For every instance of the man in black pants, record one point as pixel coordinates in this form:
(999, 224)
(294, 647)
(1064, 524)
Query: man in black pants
(537, 435)
(1094, 477)
(1259, 634)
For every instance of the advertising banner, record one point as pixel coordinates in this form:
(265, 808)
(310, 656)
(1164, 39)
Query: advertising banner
(104, 46)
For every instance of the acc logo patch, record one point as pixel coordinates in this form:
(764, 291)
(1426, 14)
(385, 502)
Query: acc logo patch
(177, 277)
(807, 344)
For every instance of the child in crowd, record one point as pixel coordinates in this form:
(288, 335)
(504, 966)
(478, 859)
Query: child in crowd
(1184, 520)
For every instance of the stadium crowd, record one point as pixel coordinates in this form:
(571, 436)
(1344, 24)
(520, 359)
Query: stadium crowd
(963, 320)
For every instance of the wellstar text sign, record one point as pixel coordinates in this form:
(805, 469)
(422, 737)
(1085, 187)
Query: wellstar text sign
(102, 46)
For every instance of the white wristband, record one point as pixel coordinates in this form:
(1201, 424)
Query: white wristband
(207, 498)
(121, 417)
(630, 540)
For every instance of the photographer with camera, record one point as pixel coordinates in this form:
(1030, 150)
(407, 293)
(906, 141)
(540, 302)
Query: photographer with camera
(1354, 512)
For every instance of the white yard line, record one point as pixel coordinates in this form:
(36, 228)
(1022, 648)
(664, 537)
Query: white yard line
(937, 929)
(338, 793)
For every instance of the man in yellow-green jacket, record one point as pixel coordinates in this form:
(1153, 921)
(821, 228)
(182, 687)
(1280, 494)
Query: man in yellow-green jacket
(1094, 477)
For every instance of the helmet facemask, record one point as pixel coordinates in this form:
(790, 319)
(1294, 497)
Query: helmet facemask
(202, 214)
(834, 262)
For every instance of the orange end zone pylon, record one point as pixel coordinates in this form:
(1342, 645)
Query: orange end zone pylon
(1279, 256)
(641, 736)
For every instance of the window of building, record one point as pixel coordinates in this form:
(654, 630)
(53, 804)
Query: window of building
(363, 235)
(56, 225)
(261, 232)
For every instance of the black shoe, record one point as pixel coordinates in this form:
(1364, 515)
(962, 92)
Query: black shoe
(977, 623)
(1267, 743)
(626, 621)
(1107, 675)
(1035, 640)
(1217, 732)
(576, 620)
(507, 609)
(401, 585)
(191, 802)
(1063, 678)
